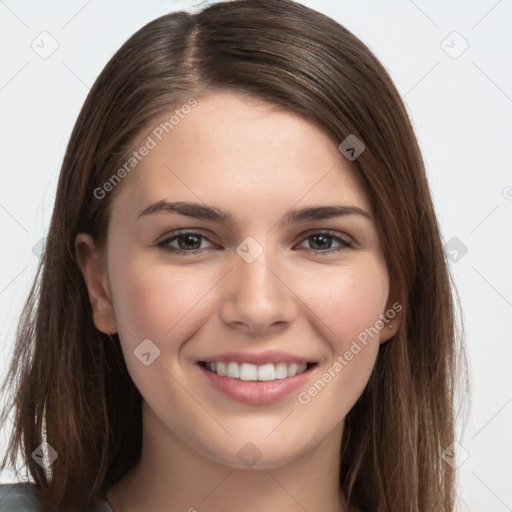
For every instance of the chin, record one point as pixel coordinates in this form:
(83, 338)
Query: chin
(258, 454)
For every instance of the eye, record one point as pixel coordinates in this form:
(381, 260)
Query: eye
(187, 242)
(191, 242)
(322, 242)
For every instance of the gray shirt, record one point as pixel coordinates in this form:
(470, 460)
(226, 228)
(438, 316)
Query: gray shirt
(24, 498)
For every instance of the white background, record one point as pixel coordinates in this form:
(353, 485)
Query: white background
(461, 109)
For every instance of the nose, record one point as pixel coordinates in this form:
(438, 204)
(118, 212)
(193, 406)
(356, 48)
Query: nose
(259, 296)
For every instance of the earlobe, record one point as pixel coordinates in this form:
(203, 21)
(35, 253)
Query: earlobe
(392, 319)
(93, 267)
(389, 330)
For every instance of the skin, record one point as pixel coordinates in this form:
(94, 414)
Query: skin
(256, 162)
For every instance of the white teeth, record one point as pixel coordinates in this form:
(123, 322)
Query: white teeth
(292, 370)
(233, 371)
(221, 368)
(265, 372)
(248, 371)
(281, 371)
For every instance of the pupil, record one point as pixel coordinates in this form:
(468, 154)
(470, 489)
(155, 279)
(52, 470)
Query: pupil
(188, 238)
(322, 237)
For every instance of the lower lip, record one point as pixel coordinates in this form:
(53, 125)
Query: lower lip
(256, 392)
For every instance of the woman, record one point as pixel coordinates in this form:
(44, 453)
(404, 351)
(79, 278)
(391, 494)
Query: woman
(243, 302)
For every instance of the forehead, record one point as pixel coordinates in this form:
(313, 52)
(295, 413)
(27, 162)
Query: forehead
(231, 148)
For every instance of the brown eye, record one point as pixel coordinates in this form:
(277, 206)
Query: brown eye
(322, 242)
(184, 242)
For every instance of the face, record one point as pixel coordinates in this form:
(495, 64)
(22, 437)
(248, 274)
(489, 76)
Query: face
(269, 265)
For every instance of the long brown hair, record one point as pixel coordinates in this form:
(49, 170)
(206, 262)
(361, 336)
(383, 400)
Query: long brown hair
(68, 382)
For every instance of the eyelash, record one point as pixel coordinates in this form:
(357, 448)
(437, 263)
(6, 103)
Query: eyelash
(345, 244)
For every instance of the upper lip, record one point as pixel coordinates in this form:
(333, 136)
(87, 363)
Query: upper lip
(257, 358)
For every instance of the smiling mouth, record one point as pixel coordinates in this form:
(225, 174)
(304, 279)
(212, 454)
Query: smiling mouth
(252, 372)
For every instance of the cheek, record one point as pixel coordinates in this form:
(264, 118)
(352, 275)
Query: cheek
(347, 317)
(347, 300)
(163, 305)
(156, 301)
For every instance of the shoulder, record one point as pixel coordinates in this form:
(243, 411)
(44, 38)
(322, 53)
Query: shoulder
(19, 497)
(24, 497)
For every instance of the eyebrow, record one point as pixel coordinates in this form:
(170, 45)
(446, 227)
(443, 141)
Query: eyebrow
(204, 212)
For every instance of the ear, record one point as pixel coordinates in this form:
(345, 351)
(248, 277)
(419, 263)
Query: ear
(392, 318)
(93, 267)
